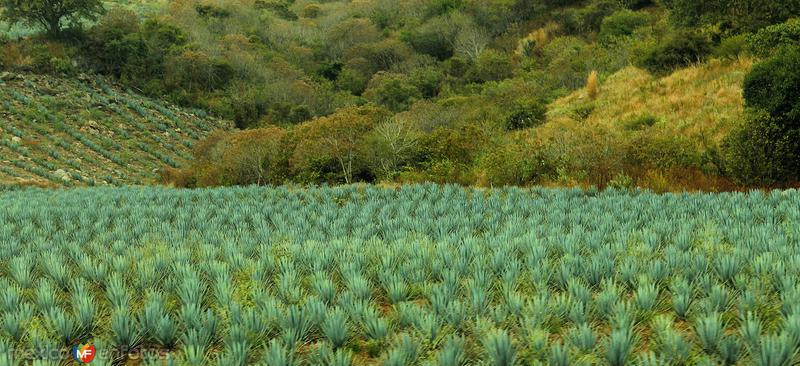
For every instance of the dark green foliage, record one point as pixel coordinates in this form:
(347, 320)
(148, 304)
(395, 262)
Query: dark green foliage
(733, 15)
(772, 86)
(621, 24)
(395, 92)
(679, 49)
(212, 11)
(588, 19)
(50, 15)
(491, 65)
(731, 47)
(762, 151)
(767, 40)
(278, 7)
(526, 114)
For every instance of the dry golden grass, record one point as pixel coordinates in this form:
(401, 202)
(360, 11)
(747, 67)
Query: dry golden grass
(702, 102)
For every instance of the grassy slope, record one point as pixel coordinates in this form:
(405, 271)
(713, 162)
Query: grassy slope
(89, 132)
(700, 101)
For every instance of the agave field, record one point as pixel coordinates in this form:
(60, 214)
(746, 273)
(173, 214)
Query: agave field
(84, 132)
(416, 275)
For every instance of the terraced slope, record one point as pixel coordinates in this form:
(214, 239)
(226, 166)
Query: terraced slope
(85, 132)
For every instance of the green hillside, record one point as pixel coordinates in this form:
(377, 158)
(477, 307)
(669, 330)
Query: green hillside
(84, 131)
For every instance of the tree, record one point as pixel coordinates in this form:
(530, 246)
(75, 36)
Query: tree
(765, 149)
(335, 140)
(52, 15)
(392, 144)
(736, 15)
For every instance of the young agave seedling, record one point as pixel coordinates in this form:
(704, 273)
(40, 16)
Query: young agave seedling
(63, 325)
(323, 287)
(710, 329)
(335, 327)
(45, 296)
(166, 332)
(278, 355)
(375, 327)
(673, 348)
(646, 295)
(295, 324)
(774, 350)
(500, 351)
(650, 359)
(452, 353)
(619, 346)
(583, 338)
(124, 330)
(85, 312)
(559, 355)
(15, 323)
(11, 297)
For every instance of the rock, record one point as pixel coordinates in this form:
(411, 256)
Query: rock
(5, 75)
(16, 139)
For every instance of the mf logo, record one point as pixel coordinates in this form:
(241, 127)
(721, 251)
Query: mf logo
(83, 354)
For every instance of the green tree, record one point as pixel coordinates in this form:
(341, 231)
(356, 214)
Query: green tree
(736, 15)
(766, 148)
(51, 15)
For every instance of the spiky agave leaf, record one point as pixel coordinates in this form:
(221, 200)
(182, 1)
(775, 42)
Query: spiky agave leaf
(709, 330)
(278, 355)
(619, 346)
(452, 353)
(500, 351)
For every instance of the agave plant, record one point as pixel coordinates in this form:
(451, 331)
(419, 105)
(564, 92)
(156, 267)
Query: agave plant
(499, 348)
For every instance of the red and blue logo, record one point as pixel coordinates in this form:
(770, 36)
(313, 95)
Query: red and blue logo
(84, 353)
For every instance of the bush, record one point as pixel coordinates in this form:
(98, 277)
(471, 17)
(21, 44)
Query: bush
(588, 19)
(393, 91)
(256, 156)
(526, 114)
(772, 86)
(772, 38)
(311, 11)
(621, 24)
(765, 149)
(640, 123)
(680, 49)
(515, 160)
(761, 151)
(731, 47)
(492, 66)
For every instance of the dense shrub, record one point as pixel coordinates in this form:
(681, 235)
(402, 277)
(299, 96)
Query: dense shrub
(492, 65)
(331, 149)
(393, 91)
(526, 114)
(763, 151)
(772, 38)
(680, 49)
(731, 47)
(621, 24)
(772, 86)
(732, 15)
(515, 160)
(587, 19)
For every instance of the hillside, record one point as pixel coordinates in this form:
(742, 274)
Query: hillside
(701, 101)
(84, 132)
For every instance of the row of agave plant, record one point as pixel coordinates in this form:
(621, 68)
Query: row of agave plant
(420, 275)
